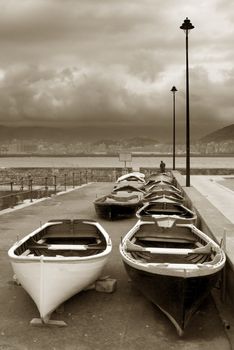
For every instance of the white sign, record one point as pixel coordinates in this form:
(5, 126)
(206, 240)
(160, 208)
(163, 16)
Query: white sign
(125, 157)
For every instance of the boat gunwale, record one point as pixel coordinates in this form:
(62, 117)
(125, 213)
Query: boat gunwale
(58, 259)
(187, 210)
(175, 270)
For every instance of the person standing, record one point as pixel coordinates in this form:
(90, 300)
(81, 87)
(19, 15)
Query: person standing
(162, 167)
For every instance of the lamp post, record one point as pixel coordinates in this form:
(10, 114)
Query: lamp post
(173, 90)
(187, 26)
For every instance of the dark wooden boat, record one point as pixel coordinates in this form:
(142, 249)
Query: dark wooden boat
(151, 183)
(174, 266)
(115, 206)
(152, 196)
(165, 187)
(166, 175)
(163, 191)
(161, 176)
(165, 207)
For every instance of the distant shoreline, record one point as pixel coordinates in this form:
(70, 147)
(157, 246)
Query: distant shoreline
(111, 155)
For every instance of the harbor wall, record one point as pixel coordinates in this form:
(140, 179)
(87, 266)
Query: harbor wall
(217, 226)
(92, 174)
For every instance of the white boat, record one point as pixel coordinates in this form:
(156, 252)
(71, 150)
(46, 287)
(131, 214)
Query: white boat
(58, 260)
(135, 176)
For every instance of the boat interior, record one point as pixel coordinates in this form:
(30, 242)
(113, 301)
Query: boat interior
(176, 245)
(65, 238)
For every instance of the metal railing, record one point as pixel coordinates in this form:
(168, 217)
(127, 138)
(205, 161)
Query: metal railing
(31, 187)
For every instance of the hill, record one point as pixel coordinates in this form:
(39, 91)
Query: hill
(221, 135)
(48, 134)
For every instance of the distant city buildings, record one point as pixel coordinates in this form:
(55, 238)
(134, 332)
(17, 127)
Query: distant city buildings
(39, 146)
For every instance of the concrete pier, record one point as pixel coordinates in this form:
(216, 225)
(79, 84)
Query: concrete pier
(120, 320)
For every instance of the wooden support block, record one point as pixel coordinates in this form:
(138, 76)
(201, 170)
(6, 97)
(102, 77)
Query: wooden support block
(38, 322)
(16, 281)
(107, 285)
(92, 286)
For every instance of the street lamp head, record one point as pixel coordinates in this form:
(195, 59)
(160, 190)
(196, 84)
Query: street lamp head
(187, 25)
(173, 89)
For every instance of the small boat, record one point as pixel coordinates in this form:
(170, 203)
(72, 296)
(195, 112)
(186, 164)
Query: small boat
(58, 260)
(114, 206)
(129, 185)
(174, 266)
(127, 188)
(163, 186)
(166, 207)
(150, 184)
(134, 176)
(161, 176)
(163, 192)
(152, 196)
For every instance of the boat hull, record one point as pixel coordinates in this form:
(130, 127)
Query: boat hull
(178, 297)
(115, 211)
(174, 266)
(58, 260)
(50, 283)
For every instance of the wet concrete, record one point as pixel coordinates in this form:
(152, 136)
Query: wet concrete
(121, 320)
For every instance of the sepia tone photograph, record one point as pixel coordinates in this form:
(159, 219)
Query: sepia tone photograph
(116, 175)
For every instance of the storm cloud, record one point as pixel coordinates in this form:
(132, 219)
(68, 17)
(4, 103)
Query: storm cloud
(112, 64)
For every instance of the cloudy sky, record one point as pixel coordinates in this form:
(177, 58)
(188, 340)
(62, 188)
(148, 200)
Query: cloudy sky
(109, 65)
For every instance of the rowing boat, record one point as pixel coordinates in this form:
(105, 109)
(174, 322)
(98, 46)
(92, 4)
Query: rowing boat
(58, 260)
(114, 206)
(167, 207)
(152, 196)
(174, 266)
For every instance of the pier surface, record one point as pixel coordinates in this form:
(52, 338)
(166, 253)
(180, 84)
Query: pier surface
(120, 320)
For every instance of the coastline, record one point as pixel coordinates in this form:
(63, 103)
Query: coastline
(111, 155)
